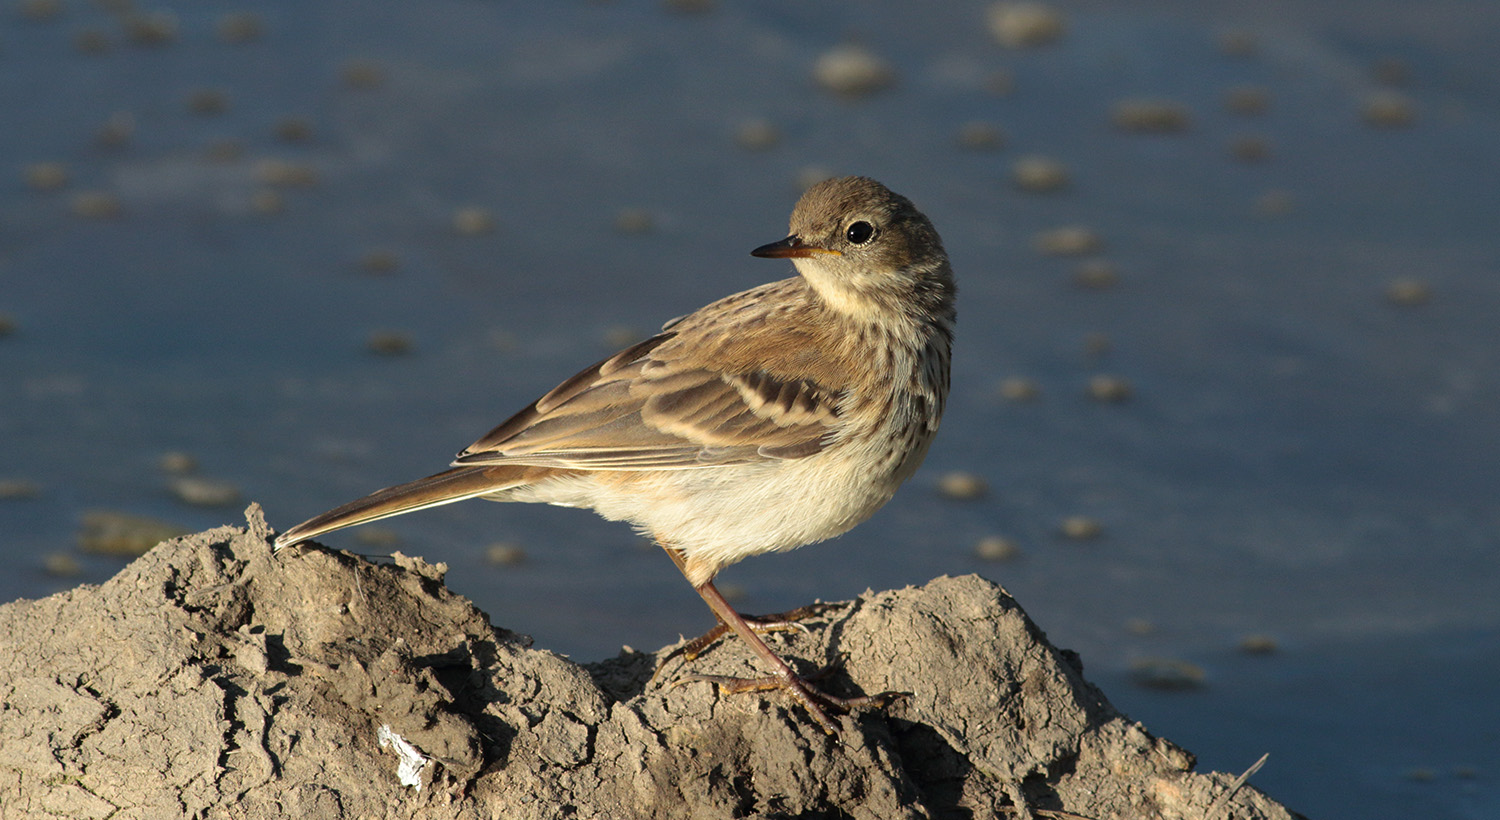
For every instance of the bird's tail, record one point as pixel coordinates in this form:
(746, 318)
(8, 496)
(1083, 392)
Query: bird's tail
(446, 487)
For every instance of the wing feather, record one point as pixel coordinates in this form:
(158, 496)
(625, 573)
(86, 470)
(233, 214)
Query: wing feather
(651, 407)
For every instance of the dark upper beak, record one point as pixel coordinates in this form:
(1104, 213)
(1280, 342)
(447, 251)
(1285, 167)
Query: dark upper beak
(790, 248)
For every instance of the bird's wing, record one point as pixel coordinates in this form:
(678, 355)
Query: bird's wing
(655, 406)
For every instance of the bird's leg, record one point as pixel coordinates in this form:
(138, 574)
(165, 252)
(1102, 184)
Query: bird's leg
(789, 621)
(782, 677)
(762, 624)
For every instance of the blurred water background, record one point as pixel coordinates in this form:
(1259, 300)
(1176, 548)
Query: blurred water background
(1226, 408)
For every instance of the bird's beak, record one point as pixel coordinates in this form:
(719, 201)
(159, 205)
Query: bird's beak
(791, 248)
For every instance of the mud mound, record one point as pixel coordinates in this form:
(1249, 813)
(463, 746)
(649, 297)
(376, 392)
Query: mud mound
(210, 679)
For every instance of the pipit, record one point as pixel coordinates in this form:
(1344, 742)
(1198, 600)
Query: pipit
(768, 420)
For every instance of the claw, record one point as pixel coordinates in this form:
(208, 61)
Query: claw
(789, 621)
(811, 698)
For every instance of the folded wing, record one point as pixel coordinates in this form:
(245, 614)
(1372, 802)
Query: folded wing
(653, 407)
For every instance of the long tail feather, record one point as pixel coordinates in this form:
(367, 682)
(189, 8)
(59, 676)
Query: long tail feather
(446, 487)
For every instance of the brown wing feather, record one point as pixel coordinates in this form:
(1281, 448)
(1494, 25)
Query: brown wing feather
(645, 408)
(583, 380)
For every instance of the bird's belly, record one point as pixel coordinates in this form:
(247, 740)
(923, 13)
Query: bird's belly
(719, 515)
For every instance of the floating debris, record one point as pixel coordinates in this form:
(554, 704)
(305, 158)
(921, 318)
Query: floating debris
(962, 486)
(1150, 116)
(1039, 175)
(61, 565)
(1238, 43)
(1258, 645)
(473, 221)
(380, 262)
(997, 548)
(1096, 274)
(501, 340)
(634, 221)
(377, 536)
(293, 129)
(204, 492)
(38, 11)
(853, 71)
(389, 343)
(1109, 389)
(116, 131)
(96, 205)
(177, 462)
(1407, 292)
(208, 101)
(505, 554)
(19, 489)
(284, 174)
(1026, 25)
(1421, 774)
(1247, 100)
(1080, 528)
(981, 136)
(1167, 674)
(45, 176)
(156, 28)
(810, 175)
(757, 134)
(107, 532)
(1250, 148)
(622, 335)
(1072, 240)
(1388, 109)
(363, 74)
(1019, 389)
(240, 27)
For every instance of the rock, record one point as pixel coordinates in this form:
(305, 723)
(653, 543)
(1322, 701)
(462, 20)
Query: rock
(213, 678)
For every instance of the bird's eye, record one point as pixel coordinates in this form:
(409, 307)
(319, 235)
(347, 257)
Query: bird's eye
(860, 232)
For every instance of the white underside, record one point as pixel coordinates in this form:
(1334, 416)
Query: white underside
(719, 516)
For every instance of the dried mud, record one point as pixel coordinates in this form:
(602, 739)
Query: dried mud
(210, 678)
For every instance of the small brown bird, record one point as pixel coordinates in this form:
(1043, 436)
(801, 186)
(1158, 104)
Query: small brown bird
(770, 419)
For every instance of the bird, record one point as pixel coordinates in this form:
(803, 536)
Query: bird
(770, 419)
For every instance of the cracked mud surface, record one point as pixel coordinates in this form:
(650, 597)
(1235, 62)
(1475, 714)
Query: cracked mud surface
(210, 679)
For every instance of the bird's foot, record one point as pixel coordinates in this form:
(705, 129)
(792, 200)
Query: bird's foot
(790, 621)
(812, 699)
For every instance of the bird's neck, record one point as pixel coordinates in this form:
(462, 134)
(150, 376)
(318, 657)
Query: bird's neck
(912, 306)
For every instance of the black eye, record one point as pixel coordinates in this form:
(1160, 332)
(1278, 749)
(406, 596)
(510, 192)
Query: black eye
(860, 232)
